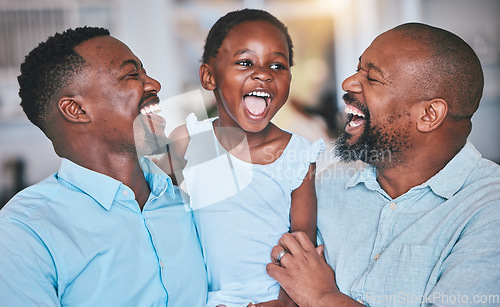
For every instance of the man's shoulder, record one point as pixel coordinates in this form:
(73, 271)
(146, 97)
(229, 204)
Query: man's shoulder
(31, 199)
(487, 169)
(483, 181)
(338, 172)
(474, 166)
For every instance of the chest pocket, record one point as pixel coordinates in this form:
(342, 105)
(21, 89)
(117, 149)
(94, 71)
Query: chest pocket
(401, 274)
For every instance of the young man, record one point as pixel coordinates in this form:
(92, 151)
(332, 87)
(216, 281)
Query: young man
(108, 229)
(418, 223)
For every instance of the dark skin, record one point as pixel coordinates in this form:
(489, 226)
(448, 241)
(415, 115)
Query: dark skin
(253, 57)
(93, 123)
(383, 83)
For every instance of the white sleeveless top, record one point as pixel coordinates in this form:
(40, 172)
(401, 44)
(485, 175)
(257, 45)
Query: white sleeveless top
(241, 210)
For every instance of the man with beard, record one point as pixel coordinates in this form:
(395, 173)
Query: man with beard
(411, 214)
(108, 229)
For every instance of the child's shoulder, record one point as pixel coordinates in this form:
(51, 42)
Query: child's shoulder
(297, 143)
(179, 133)
(286, 137)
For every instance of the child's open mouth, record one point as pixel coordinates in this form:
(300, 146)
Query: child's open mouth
(257, 102)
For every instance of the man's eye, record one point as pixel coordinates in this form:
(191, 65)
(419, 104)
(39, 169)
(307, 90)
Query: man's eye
(132, 74)
(245, 63)
(371, 79)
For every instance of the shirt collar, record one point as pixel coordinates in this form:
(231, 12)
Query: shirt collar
(445, 183)
(452, 177)
(103, 188)
(158, 181)
(367, 174)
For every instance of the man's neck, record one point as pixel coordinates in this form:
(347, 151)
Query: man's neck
(124, 168)
(398, 180)
(414, 171)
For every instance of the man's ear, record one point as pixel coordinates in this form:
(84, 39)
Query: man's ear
(432, 114)
(72, 109)
(207, 78)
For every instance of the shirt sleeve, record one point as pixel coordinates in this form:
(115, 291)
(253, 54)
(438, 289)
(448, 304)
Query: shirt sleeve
(27, 274)
(306, 155)
(470, 274)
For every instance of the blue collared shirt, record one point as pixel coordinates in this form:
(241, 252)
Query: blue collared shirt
(438, 244)
(79, 238)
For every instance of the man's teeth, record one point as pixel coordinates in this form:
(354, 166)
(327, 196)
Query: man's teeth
(352, 110)
(355, 123)
(152, 108)
(259, 94)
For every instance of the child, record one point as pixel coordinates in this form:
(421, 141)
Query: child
(249, 182)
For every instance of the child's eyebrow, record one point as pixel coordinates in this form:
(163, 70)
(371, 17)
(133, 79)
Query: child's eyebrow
(281, 54)
(243, 51)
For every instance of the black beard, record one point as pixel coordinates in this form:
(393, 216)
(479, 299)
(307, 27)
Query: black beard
(379, 146)
(372, 147)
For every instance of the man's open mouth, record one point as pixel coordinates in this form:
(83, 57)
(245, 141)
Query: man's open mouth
(151, 108)
(256, 102)
(355, 117)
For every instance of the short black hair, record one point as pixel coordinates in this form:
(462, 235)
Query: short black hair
(50, 67)
(221, 28)
(452, 72)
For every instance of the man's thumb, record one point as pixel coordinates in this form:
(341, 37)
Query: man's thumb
(321, 250)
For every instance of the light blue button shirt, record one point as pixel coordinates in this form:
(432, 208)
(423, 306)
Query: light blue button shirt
(79, 238)
(438, 244)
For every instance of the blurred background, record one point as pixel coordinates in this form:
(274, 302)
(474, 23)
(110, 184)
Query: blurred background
(168, 36)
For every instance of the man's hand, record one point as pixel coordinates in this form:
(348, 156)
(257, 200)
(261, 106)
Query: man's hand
(274, 303)
(303, 272)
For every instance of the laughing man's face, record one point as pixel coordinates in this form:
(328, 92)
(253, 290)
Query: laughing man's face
(381, 102)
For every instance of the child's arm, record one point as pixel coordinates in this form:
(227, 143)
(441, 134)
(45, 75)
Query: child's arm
(303, 210)
(303, 215)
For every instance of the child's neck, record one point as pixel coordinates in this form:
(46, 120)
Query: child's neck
(232, 137)
(252, 147)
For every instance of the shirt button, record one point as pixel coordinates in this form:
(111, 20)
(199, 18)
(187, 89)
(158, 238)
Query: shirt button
(125, 193)
(376, 257)
(393, 206)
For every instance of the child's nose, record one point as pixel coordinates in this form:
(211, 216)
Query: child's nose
(262, 74)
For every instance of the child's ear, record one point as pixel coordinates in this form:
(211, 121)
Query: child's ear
(207, 78)
(432, 114)
(72, 109)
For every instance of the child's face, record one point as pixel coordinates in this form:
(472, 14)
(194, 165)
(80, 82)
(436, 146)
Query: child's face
(251, 75)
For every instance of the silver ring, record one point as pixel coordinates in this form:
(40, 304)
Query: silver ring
(280, 255)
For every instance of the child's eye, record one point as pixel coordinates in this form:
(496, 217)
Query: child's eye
(245, 63)
(277, 66)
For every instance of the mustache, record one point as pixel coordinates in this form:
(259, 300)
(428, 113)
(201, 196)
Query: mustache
(350, 99)
(148, 97)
